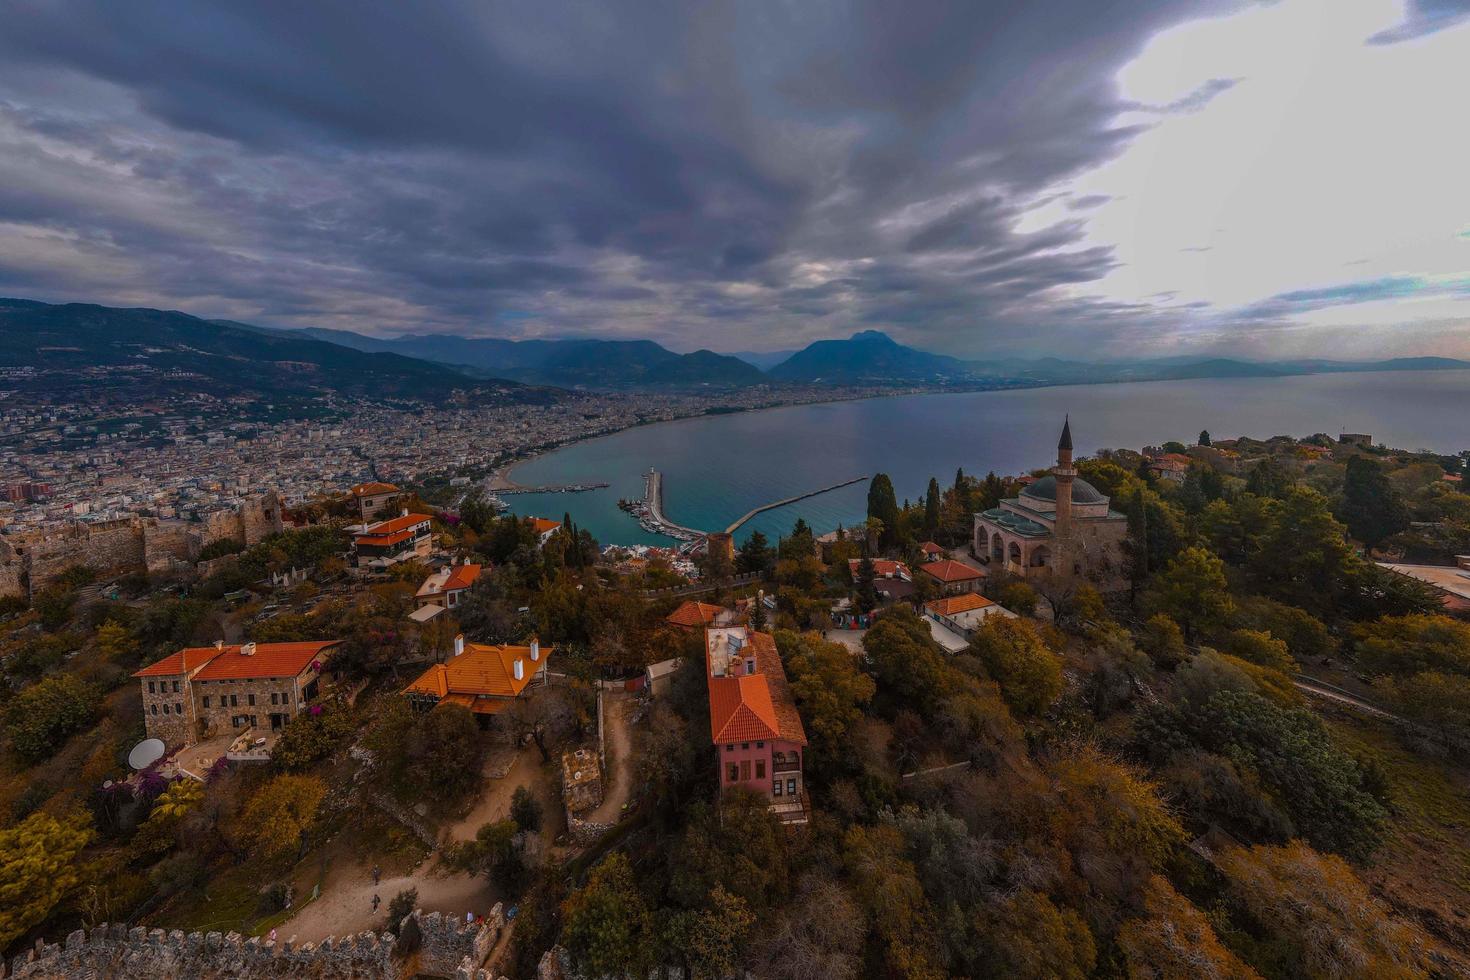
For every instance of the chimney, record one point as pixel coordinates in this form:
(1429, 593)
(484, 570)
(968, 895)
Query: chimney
(520, 669)
(247, 650)
(219, 644)
(535, 649)
(459, 644)
(405, 512)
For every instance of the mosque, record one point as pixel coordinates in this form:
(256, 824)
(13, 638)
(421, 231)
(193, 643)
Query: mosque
(1058, 526)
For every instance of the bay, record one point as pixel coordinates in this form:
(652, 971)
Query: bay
(715, 468)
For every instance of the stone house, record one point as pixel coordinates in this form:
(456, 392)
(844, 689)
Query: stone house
(201, 692)
(372, 498)
(952, 577)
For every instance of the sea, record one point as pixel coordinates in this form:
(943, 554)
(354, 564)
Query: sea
(716, 468)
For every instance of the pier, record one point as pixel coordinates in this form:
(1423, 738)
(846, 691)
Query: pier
(650, 510)
(791, 500)
(558, 488)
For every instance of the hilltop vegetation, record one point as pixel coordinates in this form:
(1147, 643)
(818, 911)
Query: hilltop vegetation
(1108, 786)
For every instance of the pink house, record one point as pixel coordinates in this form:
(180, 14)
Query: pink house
(753, 719)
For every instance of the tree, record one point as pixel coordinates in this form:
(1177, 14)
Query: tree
(400, 907)
(818, 936)
(114, 642)
(277, 817)
(1371, 506)
(41, 718)
(432, 757)
(755, 555)
(1014, 655)
(1440, 701)
(1163, 641)
(1019, 597)
(1261, 648)
(1192, 591)
(883, 504)
(865, 585)
(1322, 920)
(1406, 645)
(829, 688)
(39, 867)
(525, 809)
(711, 940)
(889, 888)
(931, 507)
(1173, 940)
(1204, 437)
(309, 738)
(182, 796)
(605, 923)
(1026, 936)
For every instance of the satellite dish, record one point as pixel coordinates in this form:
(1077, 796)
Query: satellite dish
(146, 752)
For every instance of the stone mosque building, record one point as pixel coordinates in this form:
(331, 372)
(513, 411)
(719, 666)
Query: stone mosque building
(1057, 526)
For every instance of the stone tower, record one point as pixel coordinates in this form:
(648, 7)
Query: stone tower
(1064, 473)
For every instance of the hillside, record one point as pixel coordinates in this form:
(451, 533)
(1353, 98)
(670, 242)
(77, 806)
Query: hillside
(568, 363)
(138, 352)
(869, 356)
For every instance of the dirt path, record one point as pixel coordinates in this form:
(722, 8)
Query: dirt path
(496, 792)
(618, 706)
(346, 903)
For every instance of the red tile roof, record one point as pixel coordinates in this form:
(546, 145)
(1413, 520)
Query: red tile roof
(480, 675)
(372, 489)
(930, 548)
(693, 614)
(178, 662)
(954, 605)
(228, 663)
(459, 577)
(754, 706)
(541, 524)
(950, 570)
(882, 567)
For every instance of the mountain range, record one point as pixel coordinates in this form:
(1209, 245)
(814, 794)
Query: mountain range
(157, 347)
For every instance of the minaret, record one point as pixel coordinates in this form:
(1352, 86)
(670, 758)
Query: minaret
(1064, 475)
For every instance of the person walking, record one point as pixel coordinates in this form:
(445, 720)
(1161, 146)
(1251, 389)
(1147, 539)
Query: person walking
(376, 902)
(377, 873)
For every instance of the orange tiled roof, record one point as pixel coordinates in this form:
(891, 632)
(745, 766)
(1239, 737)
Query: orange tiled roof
(396, 524)
(482, 671)
(541, 524)
(949, 570)
(459, 577)
(882, 567)
(372, 489)
(954, 605)
(179, 662)
(227, 663)
(930, 548)
(693, 613)
(754, 706)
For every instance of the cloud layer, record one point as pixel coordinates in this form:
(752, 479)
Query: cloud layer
(1077, 177)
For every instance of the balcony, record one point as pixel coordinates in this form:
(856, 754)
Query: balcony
(785, 765)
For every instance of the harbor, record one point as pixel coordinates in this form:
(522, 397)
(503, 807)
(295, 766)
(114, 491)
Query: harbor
(649, 511)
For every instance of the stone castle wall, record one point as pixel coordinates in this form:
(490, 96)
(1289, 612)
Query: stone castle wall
(447, 948)
(30, 562)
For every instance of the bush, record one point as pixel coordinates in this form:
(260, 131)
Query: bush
(1019, 598)
(525, 809)
(310, 738)
(43, 716)
(400, 906)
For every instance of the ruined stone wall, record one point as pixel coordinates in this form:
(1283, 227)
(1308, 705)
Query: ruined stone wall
(12, 579)
(115, 951)
(109, 548)
(260, 517)
(167, 543)
(448, 944)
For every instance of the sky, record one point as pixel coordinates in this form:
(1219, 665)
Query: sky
(1079, 178)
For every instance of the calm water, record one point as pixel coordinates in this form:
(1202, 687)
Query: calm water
(718, 467)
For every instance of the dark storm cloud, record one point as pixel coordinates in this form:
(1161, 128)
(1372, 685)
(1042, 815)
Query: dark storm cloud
(730, 175)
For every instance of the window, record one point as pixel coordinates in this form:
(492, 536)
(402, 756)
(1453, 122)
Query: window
(732, 773)
(150, 688)
(206, 701)
(176, 687)
(729, 748)
(760, 745)
(760, 769)
(155, 709)
(252, 699)
(178, 708)
(745, 769)
(744, 746)
(274, 697)
(253, 722)
(790, 787)
(165, 709)
(776, 788)
(234, 700)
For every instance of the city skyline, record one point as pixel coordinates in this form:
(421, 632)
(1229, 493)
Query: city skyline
(1256, 180)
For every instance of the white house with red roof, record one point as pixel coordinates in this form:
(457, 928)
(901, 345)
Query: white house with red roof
(200, 692)
(398, 539)
(754, 723)
(444, 590)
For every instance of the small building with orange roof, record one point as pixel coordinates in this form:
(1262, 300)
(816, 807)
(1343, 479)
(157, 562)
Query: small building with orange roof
(444, 590)
(544, 528)
(754, 724)
(953, 577)
(485, 679)
(932, 551)
(372, 498)
(964, 613)
(201, 692)
(394, 540)
(694, 615)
